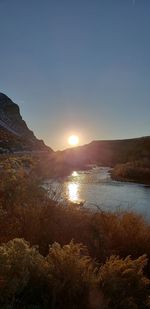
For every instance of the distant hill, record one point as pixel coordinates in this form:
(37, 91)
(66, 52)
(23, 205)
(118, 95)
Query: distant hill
(108, 153)
(15, 135)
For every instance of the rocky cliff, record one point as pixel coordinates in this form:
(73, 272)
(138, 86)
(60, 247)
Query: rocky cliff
(14, 133)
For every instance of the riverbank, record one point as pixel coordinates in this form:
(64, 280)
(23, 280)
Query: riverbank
(137, 172)
(94, 262)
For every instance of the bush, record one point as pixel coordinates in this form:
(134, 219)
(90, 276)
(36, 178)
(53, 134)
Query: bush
(71, 275)
(123, 283)
(136, 171)
(15, 261)
(62, 279)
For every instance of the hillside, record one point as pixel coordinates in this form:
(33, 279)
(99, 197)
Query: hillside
(130, 158)
(15, 135)
(108, 153)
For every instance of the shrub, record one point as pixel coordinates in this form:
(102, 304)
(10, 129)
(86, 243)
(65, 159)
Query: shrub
(60, 280)
(123, 283)
(71, 275)
(15, 261)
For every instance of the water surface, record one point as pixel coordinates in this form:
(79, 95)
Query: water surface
(97, 190)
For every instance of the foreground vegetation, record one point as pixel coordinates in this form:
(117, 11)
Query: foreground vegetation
(54, 256)
(67, 278)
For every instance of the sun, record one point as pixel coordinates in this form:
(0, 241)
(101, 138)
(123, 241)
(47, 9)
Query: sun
(73, 140)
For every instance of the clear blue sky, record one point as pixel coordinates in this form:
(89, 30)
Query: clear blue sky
(78, 66)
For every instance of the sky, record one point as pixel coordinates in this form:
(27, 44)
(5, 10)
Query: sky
(77, 67)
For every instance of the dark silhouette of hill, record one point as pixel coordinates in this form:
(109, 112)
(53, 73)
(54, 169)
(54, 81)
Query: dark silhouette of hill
(14, 133)
(108, 152)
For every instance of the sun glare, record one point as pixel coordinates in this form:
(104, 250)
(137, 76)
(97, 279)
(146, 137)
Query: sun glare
(73, 140)
(73, 192)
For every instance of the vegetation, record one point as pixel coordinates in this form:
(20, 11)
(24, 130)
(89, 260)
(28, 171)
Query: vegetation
(67, 278)
(137, 171)
(54, 256)
(37, 166)
(123, 283)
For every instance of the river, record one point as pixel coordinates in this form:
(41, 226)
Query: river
(96, 189)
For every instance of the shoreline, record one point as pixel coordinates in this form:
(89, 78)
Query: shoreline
(122, 179)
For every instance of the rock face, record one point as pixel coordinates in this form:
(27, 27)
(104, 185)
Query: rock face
(14, 133)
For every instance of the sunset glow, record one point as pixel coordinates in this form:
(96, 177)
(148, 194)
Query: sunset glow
(73, 140)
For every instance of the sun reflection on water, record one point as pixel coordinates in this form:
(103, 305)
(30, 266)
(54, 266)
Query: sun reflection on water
(73, 193)
(74, 174)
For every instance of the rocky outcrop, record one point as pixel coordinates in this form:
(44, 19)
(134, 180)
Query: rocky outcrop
(14, 132)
